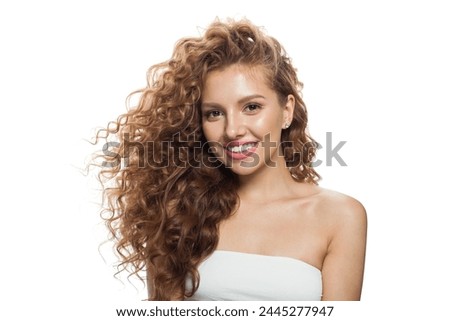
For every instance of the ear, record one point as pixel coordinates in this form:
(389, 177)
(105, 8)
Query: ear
(288, 110)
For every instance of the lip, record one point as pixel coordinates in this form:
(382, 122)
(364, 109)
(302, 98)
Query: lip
(243, 155)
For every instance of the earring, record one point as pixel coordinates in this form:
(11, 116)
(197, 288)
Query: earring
(286, 126)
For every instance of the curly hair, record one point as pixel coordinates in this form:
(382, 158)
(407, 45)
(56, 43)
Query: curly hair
(169, 193)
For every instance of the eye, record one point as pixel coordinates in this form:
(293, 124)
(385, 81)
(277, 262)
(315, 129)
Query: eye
(252, 108)
(212, 114)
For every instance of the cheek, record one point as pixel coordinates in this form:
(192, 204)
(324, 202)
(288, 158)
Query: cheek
(210, 131)
(270, 123)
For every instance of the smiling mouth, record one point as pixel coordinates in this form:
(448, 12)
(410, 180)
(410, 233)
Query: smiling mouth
(241, 151)
(241, 148)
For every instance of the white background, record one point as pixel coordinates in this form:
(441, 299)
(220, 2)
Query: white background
(376, 75)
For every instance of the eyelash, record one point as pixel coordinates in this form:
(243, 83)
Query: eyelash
(210, 114)
(253, 105)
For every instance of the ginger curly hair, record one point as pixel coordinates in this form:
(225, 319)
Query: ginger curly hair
(164, 192)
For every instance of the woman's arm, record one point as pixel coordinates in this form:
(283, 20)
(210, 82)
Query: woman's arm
(343, 266)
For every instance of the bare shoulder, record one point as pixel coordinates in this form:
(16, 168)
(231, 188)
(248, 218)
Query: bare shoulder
(339, 209)
(346, 226)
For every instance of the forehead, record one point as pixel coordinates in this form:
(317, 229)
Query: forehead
(234, 81)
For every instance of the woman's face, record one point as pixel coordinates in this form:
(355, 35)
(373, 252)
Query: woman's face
(242, 118)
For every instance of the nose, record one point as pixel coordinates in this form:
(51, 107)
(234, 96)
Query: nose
(234, 126)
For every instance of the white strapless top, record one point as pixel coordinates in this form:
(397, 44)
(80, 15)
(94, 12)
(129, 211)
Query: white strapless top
(236, 276)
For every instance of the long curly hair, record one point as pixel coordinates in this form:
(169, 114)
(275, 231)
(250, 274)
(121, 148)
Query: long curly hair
(164, 191)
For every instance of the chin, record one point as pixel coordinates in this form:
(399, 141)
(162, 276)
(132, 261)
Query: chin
(244, 169)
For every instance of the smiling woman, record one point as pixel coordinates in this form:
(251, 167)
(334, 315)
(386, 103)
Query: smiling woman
(229, 208)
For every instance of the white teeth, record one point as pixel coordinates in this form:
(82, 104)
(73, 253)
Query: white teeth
(242, 148)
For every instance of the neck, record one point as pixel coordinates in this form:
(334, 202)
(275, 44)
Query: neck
(267, 183)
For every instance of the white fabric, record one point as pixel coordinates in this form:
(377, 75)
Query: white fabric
(227, 275)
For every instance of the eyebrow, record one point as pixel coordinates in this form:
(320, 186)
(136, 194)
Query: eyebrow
(247, 98)
(240, 101)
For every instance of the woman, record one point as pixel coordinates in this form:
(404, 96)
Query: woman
(216, 198)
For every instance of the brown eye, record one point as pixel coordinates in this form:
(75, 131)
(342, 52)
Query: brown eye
(252, 108)
(212, 114)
